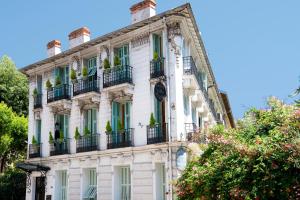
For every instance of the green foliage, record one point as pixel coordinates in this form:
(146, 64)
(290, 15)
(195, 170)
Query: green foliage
(152, 120)
(57, 81)
(117, 61)
(260, 159)
(13, 185)
(73, 75)
(84, 71)
(35, 92)
(120, 125)
(13, 136)
(106, 63)
(61, 136)
(86, 132)
(51, 139)
(34, 141)
(155, 56)
(48, 84)
(77, 134)
(108, 127)
(13, 87)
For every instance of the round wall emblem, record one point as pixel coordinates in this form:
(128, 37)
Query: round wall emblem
(160, 91)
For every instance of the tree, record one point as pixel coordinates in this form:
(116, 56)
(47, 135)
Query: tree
(260, 159)
(13, 87)
(13, 136)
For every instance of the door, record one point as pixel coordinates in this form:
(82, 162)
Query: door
(38, 130)
(123, 53)
(157, 45)
(160, 117)
(40, 188)
(90, 120)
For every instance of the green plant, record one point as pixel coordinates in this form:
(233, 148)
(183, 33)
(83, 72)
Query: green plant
(57, 81)
(120, 125)
(34, 141)
(117, 61)
(155, 56)
(35, 92)
(152, 121)
(77, 134)
(61, 136)
(73, 74)
(108, 127)
(86, 132)
(84, 71)
(106, 63)
(48, 84)
(51, 139)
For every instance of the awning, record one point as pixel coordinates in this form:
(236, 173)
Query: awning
(29, 167)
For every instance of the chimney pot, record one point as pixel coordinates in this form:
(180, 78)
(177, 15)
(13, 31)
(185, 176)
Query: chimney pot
(143, 10)
(79, 36)
(53, 48)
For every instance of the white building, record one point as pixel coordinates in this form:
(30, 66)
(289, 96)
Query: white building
(158, 65)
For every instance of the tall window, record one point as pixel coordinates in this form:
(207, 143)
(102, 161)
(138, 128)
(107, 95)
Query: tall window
(62, 73)
(157, 44)
(194, 115)
(125, 183)
(61, 125)
(61, 186)
(92, 66)
(160, 181)
(185, 49)
(90, 184)
(38, 130)
(123, 53)
(186, 104)
(39, 83)
(121, 112)
(90, 120)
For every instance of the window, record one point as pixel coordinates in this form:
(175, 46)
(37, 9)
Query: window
(92, 66)
(160, 181)
(121, 111)
(185, 49)
(204, 79)
(194, 115)
(123, 53)
(62, 73)
(125, 183)
(39, 83)
(61, 124)
(90, 184)
(61, 186)
(90, 120)
(186, 104)
(38, 130)
(157, 44)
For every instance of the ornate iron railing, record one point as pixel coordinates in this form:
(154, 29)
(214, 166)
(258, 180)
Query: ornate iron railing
(38, 101)
(117, 75)
(59, 92)
(60, 147)
(87, 143)
(194, 134)
(119, 139)
(157, 68)
(157, 133)
(91, 84)
(34, 150)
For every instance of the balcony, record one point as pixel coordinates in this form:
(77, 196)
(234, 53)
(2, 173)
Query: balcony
(34, 150)
(38, 101)
(194, 134)
(119, 139)
(117, 76)
(157, 134)
(60, 147)
(87, 143)
(157, 68)
(91, 84)
(58, 93)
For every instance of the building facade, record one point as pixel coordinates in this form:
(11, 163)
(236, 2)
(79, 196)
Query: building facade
(113, 117)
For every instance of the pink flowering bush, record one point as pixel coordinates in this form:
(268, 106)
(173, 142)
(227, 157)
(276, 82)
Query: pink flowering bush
(260, 159)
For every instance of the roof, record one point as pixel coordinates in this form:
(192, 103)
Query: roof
(225, 99)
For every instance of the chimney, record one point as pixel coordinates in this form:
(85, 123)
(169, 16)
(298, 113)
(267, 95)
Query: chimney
(79, 37)
(53, 48)
(142, 10)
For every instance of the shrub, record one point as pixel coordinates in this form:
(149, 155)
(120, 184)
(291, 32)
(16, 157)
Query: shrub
(48, 84)
(57, 81)
(108, 127)
(34, 141)
(35, 92)
(117, 61)
(152, 120)
(77, 134)
(86, 132)
(106, 64)
(73, 74)
(61, 136)
(51, 139)
(155, 56)
(84, 71)
(120, 125)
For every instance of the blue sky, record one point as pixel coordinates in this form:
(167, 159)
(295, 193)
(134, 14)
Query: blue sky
(253, 45)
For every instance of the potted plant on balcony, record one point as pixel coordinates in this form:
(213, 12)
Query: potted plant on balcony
(57, 81)
(108, 128)
(34, 141)
(77, 134)
(106, 64)
(51, 139)
(84, 72)
(61, 136)
(121, 130)
(73, 76)
(155, 56)
(48, 85)
(86, 132)
(152, 122)
(117, 62)
(35, 93)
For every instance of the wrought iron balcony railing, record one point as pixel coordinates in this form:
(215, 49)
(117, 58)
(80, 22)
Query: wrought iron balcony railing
(60, 147)
(38, 101)
(119, 139)
(157, 133)
(34, 150)
(91, 84)
(157, 68)
(87, 143)
(194, 134)
(117, 75)
(58, 93)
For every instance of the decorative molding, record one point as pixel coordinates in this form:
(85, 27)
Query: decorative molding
(173, 31)
(140, 40)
